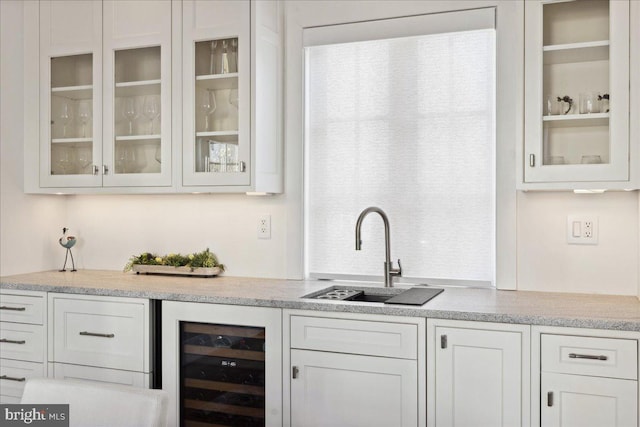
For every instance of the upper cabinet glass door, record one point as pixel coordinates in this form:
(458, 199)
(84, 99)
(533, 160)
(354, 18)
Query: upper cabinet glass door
(216, 107)
(137, 110)
(577, 96)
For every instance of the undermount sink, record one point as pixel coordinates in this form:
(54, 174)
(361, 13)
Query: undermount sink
(412, 296)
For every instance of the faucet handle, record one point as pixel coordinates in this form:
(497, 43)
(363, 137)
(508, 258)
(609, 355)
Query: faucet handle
(396, 271)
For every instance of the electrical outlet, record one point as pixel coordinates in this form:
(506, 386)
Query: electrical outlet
(582, 230)
(264, 227)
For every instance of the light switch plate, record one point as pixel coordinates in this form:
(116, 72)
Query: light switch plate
(582, 230)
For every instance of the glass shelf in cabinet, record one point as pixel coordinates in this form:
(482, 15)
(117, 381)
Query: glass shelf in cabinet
(576, 52)
(70, 140)
(137, 137)
(73, 92)
(577, 120)
(217, 81)
(138, 88)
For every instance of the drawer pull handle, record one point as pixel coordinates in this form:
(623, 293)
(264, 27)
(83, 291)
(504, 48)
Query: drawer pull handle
(94, 334)
(4, 307)
(586, 356)
(550, 399)
(4, 377)
(13, 341)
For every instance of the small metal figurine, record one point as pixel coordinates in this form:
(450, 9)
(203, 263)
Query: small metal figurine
(67, 242)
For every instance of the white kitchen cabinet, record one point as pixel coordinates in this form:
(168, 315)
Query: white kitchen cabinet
(586, 377)
(578, 49)
(232, 102)
(222, 364)
(354, 370)
(104, 95)
(478, 374)
(23, 341)
(111, 335)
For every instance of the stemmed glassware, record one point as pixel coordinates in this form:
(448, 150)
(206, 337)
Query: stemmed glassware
(233, 97)
(207, 106)
(66, 115)
(212, 58)
(84, 158)
(151, 110)
(129, 111)
(84, 114)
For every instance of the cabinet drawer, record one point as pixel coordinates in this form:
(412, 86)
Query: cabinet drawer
(13, 374)
(600, 357)
(22, 342)
(108, 333)
(355, 336)
(22, 308)
(103, 375)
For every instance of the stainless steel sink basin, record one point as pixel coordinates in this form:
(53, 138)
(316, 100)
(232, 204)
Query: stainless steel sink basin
(412, 296)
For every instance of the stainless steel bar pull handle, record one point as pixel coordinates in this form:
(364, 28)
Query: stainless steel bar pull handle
(532, 160)
(13, 341)
(587, 356)
(550, 398)
(294, 372)
(5, 377)
(4, 307)
(95, 334)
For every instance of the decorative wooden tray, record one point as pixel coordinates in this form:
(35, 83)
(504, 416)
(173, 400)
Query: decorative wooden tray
(176, 271)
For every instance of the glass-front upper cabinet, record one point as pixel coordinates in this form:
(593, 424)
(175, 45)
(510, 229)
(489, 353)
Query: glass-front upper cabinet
(105, 96)
(576, 94)
(216, 103)
(70, 95)
(137, 107)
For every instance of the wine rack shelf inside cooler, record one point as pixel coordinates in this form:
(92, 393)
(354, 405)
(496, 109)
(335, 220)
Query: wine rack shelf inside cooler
(222, 375)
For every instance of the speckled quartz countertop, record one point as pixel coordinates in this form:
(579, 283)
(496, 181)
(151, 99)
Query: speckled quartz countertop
(533, 308)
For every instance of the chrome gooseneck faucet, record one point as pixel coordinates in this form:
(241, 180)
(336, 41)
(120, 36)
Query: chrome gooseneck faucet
(389, 271)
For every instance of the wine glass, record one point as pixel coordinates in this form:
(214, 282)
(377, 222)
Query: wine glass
(84, 114)
(207, 106)
(85, 158)
(158, 154)
(233, 67)
(233, 97)
(130, 112)
(65, 158)
(151, 110)
(66, 115)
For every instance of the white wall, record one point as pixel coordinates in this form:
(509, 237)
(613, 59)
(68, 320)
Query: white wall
(547, 263)
(112, 228)
(29, 225)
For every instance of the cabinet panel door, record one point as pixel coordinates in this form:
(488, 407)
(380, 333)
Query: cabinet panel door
(13, 374)
(478, 378)
(347, 390)
(583, 401)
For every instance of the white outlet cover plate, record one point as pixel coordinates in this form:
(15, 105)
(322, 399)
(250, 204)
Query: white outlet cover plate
(577, 230)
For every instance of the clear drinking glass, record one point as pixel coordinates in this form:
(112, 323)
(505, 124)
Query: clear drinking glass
(84, 114)
(551, 105)
(151, 109)
(589, 103)
(129, 111)
(207, 105)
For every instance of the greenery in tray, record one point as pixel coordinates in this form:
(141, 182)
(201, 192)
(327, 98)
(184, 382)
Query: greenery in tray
(205, 259)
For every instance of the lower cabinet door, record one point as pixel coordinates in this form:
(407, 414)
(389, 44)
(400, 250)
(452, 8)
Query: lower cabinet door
(13, 376)
(478, 378)
(331, 389)
(581, 401)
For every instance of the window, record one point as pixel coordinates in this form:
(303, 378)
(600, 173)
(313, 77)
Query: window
(400, 114)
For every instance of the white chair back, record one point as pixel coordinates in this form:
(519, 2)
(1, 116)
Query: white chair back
(100, 405)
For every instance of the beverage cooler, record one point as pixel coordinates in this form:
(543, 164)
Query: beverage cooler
(221, 375)
(222, 364)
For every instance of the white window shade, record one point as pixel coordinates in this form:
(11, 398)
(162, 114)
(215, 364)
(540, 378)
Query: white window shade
(406, 124)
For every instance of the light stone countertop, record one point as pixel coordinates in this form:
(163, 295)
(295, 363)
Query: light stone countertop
(486, 305)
